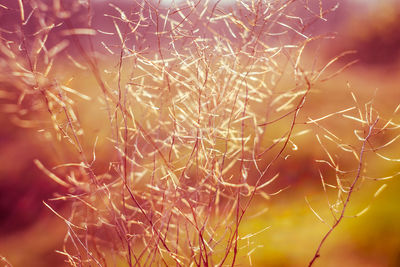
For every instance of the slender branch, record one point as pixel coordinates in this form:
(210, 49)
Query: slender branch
(351, 191)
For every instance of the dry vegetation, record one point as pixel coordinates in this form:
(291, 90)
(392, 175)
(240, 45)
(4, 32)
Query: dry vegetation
(195, 104)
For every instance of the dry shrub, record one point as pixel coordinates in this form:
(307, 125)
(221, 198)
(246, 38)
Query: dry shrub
(191, 104)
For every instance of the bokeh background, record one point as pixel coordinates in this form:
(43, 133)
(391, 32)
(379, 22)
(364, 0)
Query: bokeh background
(30, 234)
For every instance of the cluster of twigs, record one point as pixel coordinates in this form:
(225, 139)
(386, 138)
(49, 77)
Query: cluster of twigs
(201, 99)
